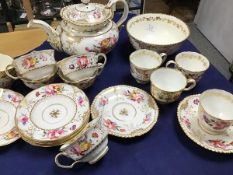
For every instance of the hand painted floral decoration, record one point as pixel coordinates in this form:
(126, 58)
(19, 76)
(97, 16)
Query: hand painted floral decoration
(134, 95)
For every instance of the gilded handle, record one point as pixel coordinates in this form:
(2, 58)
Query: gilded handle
(163, 56)
(191, 83)
(61, 165)
(125, 12)
(102, 60)
(9, 74)
(171, 62)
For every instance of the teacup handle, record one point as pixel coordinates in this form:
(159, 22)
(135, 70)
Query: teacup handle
(63, 166)
(171, 62)
(8, 67)
(163, 56)
(101, 65)
(192, 83)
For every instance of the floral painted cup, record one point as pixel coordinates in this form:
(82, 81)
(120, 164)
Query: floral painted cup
(5, 81)
(167, 84)
(90, 146)
(215, 111)
(81, 67)
(192, 64)
(143, 62)
(34, 66)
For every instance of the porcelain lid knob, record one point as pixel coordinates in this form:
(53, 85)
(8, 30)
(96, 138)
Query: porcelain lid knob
(85, 1)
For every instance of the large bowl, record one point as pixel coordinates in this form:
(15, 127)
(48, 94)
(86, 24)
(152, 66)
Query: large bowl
(159, 32)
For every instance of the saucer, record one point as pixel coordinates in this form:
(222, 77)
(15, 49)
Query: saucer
(188, 119)
(52, 114)
(9, 100)
(126, 111)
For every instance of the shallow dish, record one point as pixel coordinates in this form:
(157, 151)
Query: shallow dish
(187, 114)
(159, 32)
(9, 100)
(52, 114)
(126, 111)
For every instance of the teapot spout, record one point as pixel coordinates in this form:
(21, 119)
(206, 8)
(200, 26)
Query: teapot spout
(53, 35)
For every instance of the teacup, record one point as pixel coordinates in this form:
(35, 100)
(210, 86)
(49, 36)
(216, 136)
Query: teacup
(143, 62)
(90, 146)
(34, 66)
(5, 81)
(192, 64)
(167, 84)
(215, 110)
(80, 67)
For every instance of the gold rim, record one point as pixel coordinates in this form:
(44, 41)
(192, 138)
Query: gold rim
(157, 45)
(62, 140)
(137, 132)
(190, 136)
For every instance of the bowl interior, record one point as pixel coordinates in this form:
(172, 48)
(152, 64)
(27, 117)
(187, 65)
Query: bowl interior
(192, 61)
(218, 103)
(158, 29)
(145, 59)
(168, 79)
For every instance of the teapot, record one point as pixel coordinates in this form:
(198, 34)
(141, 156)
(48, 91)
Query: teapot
(85, 27)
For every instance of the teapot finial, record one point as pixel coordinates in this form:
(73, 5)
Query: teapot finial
(85, 1)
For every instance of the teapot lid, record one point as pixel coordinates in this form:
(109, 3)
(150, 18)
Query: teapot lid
(86, 13)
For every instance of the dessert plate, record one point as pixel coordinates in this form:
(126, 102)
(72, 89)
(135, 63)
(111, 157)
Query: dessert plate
(126, 111)
(188, 119)
(9, 100)
(52, 114)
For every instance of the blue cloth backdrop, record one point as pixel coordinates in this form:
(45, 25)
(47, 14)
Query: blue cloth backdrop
(165, 150)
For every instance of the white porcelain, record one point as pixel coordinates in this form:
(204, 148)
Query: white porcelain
(85, 27)
(9, 100)
(34, 66)
(90, 146)
(52, 114)
(126, 111)
(167, 84)
(216, 110)
(143, 62)
(187, 114)
(79, 67)
(5, 81)
(192, 64)
(159, 32)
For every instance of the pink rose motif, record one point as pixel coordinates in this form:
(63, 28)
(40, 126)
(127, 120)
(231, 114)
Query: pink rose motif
(134, 95)
(147, 118)
(97, 14)
(24, 119)
(196, 101)
(83, 62)
(81, 101)
(13, 98)
(56, 133)
(218, 144)
(51, 90)
(109, 124)
(103, 101)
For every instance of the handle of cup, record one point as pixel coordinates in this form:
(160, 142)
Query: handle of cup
(171, 62)
(61, 165)
(163, 56)
(191, 83)
(101, 65)
(10, 66)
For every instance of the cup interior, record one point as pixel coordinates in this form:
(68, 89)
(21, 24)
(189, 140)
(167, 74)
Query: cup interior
(5, 61)
(168, 79)
(145, 59)
(192, 61)
(218, 103)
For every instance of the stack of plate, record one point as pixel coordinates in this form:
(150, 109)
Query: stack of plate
(52, 114)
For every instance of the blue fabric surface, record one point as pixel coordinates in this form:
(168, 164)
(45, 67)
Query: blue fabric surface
(165, 150)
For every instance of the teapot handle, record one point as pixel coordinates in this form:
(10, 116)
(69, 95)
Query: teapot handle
(125, 12)
(63, 166)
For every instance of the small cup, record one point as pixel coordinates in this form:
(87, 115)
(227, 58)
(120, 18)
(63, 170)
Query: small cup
(90, 146)
(34, 66)
(167, 84)
(80, 67)
(143, 62)
(215, 111)
(192, 64)
(5, 81)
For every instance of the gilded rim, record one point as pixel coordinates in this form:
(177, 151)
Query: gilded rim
(137, 132)
(56, 142)
(158, 45)
(189, 135)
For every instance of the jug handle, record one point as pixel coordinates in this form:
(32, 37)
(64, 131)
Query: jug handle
(63, 166)
(125, 12)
